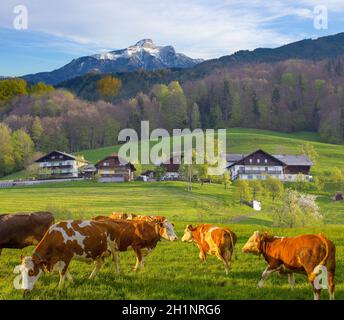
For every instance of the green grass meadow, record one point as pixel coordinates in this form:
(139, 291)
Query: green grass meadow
(173, 270)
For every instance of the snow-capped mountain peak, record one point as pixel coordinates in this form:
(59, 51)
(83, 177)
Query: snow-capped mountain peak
(143, 55)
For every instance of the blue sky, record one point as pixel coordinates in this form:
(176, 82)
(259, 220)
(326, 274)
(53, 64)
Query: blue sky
(59, 31)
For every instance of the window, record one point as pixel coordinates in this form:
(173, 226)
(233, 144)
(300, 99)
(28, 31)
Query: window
(106, 164)
(266, 160)
(258, 160)
(52, 157)
(249, 177)
(61, 157)
(251, 160)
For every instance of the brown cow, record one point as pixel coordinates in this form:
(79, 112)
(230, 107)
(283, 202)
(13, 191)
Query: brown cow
(216, 241)
(305, 254)
(18, 231)
(141, 236)
(134, 217)
(67, 240)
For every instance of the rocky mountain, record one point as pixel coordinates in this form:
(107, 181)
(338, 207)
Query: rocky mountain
(143, 55)
(329, 47)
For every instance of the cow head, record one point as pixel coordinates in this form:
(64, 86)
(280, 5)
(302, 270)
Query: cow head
(30, 270)
(253, 245)
(188, 237)
(166, 230)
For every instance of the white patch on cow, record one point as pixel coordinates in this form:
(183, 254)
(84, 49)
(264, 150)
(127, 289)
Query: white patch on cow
(69, 224)
(213, 248)
(59, 266)
(85, 224)
(78, 237)
(169, 233)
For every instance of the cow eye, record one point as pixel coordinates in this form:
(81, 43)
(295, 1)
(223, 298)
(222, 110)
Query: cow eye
(31, 273)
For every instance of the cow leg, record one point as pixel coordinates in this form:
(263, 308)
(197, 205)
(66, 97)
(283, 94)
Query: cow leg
(69, 276)
(115, 257)
(291, 280)
(116, 260)
(331, 285)
(138, 259)
(98, 264)
(62, 268)
(268, 271)
(62, 280)
(202, 256)
(145, 253)
(225, 257)
(316, 293)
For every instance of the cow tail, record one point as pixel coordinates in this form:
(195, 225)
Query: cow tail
(317, 269)
(233, 245)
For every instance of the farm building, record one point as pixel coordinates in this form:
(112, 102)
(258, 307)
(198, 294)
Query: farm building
(172, 166)
(88, 171)
(111, 169)
(60, 165)
(260, 164)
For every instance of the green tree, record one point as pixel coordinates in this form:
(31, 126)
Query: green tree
(159, 171)
(226, 178)
(257, 188)
(216, 117)
(274, 187)
(23, 148)
(7, 161)
(195, 117)
(37, 132)
(40, 88)
(237, 112)
(309, 151)
(243, 191)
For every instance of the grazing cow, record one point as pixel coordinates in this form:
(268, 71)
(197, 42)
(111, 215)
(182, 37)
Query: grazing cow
(305, 254)
(216, 241)
(141, 236)
(18, 231)
(123, 216)
(134, 217)
(67, 240)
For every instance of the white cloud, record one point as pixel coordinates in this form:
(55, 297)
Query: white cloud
(206, 29)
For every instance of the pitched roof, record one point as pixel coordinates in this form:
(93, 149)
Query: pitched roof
(288, 160)
(291, 160)
(59, 152)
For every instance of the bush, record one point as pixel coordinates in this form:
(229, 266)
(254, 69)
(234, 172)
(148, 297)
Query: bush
(297, 210)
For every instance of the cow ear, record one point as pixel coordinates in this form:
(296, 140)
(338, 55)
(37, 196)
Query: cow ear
(21, 257)
(190, 227)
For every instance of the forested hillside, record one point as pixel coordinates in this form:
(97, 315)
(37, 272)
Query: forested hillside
(261, 89)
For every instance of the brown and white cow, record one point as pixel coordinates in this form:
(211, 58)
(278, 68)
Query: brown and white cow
(305, 254)
(216, 241)
(141, 236)
(67, 240)
(18, 231)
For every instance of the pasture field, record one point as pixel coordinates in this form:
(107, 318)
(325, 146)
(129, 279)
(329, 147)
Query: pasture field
(173, 270)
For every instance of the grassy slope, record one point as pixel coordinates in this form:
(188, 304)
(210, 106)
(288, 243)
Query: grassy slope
(248, 140)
